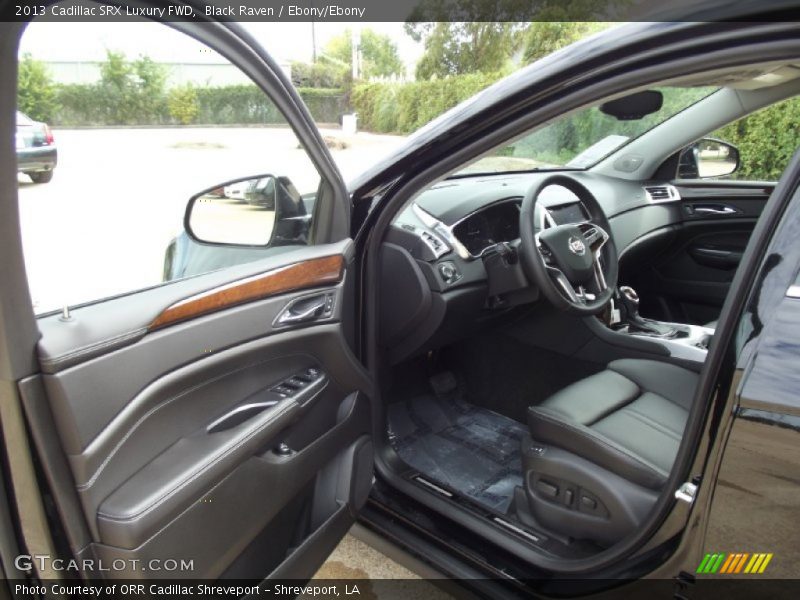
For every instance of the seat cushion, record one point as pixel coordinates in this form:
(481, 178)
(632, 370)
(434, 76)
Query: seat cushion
(711, 325)
(628, 419)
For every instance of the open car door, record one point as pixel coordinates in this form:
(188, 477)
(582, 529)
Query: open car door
(210, 427)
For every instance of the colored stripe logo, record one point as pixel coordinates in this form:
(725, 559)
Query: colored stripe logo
(734, 562)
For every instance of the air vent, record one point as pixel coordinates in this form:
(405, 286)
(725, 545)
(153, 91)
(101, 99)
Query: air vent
(662, 193)
(436, 245)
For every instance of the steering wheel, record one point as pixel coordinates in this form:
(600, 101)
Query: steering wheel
(574, 265)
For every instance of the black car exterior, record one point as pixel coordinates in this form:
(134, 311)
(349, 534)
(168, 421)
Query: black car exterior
(751, 401)
(37, 155)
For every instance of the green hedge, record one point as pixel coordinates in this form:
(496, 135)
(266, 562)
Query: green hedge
(80, 104)
(404, 107)
(766, 140)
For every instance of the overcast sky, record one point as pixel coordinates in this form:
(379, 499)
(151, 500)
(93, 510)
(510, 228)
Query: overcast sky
(284, 41)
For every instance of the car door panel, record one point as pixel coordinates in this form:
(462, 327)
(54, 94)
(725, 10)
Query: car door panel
(170, 419)
(231, 513)
(116, 334)
(157, 428)
(689, 279)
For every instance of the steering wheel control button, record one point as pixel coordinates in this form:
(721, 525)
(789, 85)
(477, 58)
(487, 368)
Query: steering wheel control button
(449, 272)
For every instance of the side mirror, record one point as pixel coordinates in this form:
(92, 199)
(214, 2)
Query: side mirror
(260, 211)
(708, 157)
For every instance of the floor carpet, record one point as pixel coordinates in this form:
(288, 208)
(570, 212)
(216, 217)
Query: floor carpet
(469, 449)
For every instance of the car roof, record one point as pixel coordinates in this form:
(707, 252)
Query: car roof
(23, 119)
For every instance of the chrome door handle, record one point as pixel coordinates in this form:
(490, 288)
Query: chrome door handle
(711, 210)
(313, 311)
(306, 309)
(239, 415)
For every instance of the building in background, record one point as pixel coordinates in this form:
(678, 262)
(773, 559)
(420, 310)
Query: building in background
(206, 73)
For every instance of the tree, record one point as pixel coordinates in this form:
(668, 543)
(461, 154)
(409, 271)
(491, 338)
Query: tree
(36, 92)
(133, 92)
(117, 88)
(182, 102)
(545, 37)
(150, 81)
(152, 77)
(469, 47)
(379, 56)
(116, 72)
(468, 36)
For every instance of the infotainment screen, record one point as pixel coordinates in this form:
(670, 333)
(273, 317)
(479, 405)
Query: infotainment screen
(568, 213)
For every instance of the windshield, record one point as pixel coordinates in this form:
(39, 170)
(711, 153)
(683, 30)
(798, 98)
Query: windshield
(582, 139)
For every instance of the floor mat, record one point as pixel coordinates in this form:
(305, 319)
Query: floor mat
(471, 450)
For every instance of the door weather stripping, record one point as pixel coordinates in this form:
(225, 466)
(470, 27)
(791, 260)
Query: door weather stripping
(686, 492)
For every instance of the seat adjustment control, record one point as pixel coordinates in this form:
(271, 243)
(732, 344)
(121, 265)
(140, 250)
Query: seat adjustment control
(547, 489)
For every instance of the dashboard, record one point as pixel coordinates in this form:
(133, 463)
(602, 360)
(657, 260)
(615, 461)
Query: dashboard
(444, 271)
(483, 229)
(499, 222)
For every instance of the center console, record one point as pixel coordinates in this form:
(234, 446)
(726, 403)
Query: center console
(683, 341)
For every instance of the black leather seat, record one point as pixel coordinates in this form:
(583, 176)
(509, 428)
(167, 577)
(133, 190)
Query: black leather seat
(628, 419)
(604, 446)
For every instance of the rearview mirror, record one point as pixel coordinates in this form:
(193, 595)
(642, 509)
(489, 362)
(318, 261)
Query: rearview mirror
(264, 210)
(708, 157)
(634, 106)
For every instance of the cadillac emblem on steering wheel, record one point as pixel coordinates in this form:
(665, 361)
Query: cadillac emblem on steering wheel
(577, 246)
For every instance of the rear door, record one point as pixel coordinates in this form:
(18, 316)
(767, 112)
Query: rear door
(215, 426)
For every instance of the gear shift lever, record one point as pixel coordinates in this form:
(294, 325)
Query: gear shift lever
(629, 300)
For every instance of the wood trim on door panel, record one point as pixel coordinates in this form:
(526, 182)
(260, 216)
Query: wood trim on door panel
(299, 276)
